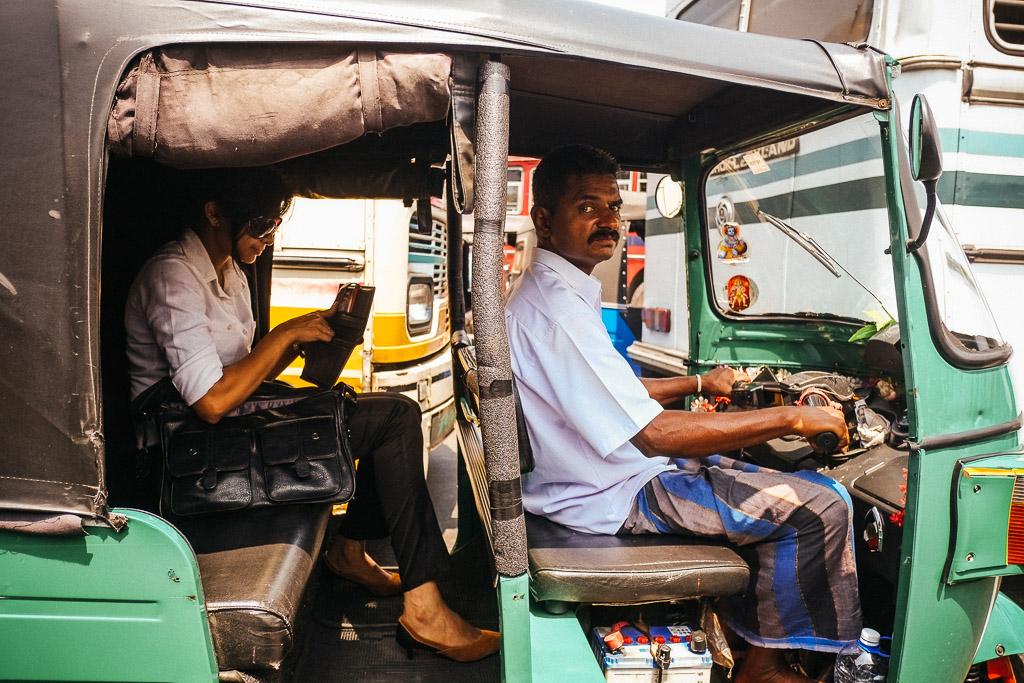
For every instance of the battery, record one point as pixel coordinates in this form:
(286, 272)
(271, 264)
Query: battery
(634, 663)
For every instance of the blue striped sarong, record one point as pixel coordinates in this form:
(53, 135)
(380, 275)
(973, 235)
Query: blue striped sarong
(795, 531)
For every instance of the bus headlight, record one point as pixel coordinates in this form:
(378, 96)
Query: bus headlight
(419, 307)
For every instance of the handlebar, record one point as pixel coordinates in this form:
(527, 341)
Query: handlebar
(826, 442)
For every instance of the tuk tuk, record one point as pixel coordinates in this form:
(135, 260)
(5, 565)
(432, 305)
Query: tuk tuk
(410, 100)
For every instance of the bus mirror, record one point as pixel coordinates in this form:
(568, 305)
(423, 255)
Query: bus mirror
(925, 150)
(669, 197)
(925, 162)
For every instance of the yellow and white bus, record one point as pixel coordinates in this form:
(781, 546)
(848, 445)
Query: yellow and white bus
(378, 242)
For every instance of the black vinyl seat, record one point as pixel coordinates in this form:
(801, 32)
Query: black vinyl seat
(255, 566)
(571, 566)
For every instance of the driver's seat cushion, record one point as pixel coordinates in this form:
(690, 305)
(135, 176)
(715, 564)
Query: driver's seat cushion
(571, 566)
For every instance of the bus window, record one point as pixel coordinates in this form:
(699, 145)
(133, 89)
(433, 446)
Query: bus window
(1005, 23)
(724, 14)
(835, 21)
(514, 193)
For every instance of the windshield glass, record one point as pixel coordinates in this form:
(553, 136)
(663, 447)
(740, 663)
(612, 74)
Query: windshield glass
(961, 304)
(799, 227)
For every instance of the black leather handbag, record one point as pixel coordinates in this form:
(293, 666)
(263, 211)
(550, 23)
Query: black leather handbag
(283, 445)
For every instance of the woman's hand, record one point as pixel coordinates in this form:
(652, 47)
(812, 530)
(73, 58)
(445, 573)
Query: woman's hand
(307, 328)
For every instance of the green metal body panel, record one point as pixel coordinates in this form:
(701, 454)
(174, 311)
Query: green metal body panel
(538, 646)
(1003, 633)
(108, 606)
(938, 626)
(561, 651)
(982, 515)
(514, 621)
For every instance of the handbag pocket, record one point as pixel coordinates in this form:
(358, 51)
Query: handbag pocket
(209, 470)
(304, 460)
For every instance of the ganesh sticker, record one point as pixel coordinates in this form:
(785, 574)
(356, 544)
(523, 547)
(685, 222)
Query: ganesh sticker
(740, 292)
(732, 248)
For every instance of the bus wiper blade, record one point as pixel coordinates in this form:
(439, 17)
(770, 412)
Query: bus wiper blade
(805, 241)
(819, 253)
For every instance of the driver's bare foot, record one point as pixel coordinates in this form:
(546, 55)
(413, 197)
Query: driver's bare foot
(348, 559)
(764, 665)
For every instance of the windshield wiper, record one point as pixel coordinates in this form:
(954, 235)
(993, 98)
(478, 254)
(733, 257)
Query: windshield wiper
(818, 252)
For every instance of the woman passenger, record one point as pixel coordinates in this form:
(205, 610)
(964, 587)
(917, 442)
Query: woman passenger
(189, 317)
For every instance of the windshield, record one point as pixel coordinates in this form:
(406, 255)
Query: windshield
(961, 304)
(799, 227)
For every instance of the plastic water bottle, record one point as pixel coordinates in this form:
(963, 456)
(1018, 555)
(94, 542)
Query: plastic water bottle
(863, 661)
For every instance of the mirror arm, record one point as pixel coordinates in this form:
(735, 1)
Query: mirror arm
(929, 214)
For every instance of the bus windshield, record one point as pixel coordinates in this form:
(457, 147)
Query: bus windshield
(799, 227)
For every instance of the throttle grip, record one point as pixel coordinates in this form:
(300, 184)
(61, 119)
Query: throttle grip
(826, 442)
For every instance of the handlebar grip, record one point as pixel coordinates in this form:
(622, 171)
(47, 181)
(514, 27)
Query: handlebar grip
(827, 442)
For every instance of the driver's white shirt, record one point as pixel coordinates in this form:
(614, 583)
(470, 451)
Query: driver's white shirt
(581, 400)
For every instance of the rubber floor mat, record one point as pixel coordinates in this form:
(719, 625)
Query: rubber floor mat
(353, 634)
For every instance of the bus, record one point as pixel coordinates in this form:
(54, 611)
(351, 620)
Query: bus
(324, 242)
(967, 57)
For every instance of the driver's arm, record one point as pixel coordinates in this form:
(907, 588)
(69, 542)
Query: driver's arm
(684, 434)
(665, 390)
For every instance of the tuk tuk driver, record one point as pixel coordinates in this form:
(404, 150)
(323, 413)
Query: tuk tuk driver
(611, 460)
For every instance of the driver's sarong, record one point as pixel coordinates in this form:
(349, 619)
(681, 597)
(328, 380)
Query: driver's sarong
(795, 531)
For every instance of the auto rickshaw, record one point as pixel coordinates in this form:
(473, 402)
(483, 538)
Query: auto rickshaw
(411, 100)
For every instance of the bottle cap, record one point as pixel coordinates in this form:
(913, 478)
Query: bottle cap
(614, 640)
(870, 637)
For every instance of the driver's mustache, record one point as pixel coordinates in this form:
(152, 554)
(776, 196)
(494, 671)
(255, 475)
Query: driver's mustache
(603, 233)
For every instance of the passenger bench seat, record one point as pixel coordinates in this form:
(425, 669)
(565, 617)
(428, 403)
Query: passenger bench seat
(255, 566)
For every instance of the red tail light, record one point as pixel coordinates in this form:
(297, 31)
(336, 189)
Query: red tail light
(1015, 530)
(657, 319)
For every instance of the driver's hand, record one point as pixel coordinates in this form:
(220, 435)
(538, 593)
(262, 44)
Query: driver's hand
(718, 382)
(815, 420)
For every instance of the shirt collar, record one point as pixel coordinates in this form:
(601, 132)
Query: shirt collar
(197, 255)
(587, 286)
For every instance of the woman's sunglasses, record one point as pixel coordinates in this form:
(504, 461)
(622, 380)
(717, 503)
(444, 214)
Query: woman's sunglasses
(262, 227)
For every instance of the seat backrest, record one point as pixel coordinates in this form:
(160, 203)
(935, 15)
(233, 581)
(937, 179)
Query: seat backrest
(464, 356)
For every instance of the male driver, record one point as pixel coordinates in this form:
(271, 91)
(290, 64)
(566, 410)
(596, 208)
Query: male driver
(610, 459)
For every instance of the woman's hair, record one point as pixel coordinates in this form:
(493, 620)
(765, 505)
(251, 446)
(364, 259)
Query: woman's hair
(241, 193)
(552, 174)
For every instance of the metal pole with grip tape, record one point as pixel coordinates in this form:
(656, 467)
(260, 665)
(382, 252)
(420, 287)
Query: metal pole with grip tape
(494, 367)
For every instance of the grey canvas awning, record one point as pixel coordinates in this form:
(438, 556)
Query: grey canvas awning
(199, 106)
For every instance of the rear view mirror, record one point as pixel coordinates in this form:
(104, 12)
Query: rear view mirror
(925, 161)
(925, 150)
(669, 197)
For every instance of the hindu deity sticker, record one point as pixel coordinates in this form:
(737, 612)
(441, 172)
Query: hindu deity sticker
(732, 248)
(740, 292)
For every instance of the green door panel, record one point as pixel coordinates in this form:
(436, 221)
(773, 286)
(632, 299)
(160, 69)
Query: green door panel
(108, 606)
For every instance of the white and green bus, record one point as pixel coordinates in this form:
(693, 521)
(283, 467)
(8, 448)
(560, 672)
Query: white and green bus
(967, 57)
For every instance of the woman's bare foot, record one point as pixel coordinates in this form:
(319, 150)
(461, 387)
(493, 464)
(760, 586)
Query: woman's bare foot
(347, 558)
(428, 617)
(764, 665)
